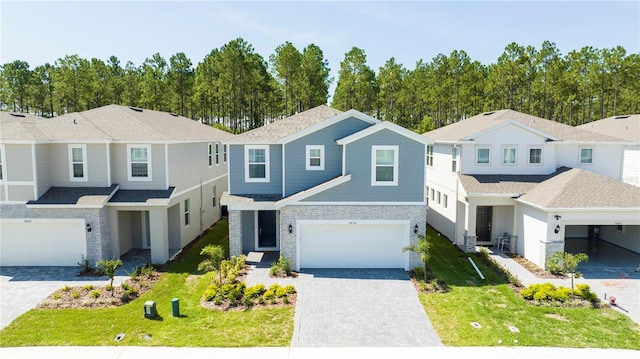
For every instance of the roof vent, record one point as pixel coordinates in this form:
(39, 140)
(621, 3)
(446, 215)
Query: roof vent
(137, 109)
(174, 114)
(621, 117)
(488, 113)
(74, 121)
(16, 114)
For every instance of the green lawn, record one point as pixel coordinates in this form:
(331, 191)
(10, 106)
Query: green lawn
(198, 327)
(494, 304)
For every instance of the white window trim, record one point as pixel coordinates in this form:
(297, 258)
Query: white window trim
(515, 155)
(217, 154)
(593, 152)
(149, 162)
(541, 156)
(308, 149)
(3, 160)
(246, 163)
(210, 154)
(483, 148)
(224, 153)
(429, 156)
(395, 166)
(85, 176)
(187, 212)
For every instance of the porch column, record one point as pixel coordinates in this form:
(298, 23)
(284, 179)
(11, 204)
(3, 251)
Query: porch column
(114, 233)
(471, 218)
(159, 234)
(235, 233)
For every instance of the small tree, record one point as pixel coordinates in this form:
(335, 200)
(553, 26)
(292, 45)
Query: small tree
(423, 248)
(109, 267)
(215, 257)
(563, 262)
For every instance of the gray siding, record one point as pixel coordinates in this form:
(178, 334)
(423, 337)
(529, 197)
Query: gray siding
(297, 178)
(119, 168)
(19, 166)
(189, 165)
(359, 189)
(43, 165)
(236, 172)
(96, 166)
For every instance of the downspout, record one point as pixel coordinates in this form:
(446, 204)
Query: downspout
(455, 223)
(201, 210)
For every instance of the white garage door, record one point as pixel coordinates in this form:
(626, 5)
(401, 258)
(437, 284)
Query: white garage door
(42, 242)
(359, 245)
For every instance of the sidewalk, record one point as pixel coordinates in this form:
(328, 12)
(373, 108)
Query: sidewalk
(312, 353)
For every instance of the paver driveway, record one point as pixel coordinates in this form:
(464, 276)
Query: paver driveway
(356, 308)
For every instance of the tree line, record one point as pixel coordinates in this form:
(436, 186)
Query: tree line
(238, 89)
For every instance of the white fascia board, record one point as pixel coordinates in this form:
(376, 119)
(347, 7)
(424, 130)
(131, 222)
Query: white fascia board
(581, 209)
(251, 206)
(21, 142)
(508, 123)
(494, 195)
(385, 126)
(423, 203)
(138, 204)
(593, 143)
(312, 191)
(328, 122)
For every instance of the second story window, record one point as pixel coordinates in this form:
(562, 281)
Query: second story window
(483, 156)
(78, 163)
(429, 155)
(217, 154)
(187, 217)
(224, 153)
(314, 158)
(454, 159)
(139, 162)
(509, 156)
(384, 166)
(256, 163)
(586, 156)
(210, 153)
(535, 156)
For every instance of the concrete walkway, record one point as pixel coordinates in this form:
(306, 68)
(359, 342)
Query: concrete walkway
(313, 353)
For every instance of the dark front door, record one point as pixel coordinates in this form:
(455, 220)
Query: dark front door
(483, 223)
(267, 229)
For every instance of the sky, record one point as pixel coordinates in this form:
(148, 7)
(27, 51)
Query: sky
(41, 32)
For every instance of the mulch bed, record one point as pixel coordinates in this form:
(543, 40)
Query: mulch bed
(534, 269)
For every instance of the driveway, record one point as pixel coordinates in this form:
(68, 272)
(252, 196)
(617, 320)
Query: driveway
(355, 308)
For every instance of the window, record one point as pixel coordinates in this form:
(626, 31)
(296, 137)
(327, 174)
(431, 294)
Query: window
(433, 194)
(139, 158)
(445, 200)
(186, 212)
(384, 165)
(314, 158)
(217, 154)
(224, 153)
(439, 198)
(210, 154)
(77, 163)
(535, 156)
(509, 156)
(214, 197)
(256, 163)
(2, 161)
(483, 156)
(586, 155)
(429, 155)
(454, 159)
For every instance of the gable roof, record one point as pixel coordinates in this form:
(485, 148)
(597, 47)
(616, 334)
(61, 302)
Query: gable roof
(578, 188)
(625, 127)
(465, 130)
(385, 125)
(15, 126)
(505, 185)
(298, 125)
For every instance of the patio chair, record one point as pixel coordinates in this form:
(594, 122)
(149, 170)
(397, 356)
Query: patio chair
(504, 240)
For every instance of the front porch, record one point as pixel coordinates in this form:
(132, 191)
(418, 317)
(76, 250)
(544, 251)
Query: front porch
(258, 231)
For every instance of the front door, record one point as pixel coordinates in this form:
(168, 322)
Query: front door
(483, 223)
(267, 229)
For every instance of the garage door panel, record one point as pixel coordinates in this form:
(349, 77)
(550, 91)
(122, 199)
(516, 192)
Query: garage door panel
(352, 245)
(34, 242)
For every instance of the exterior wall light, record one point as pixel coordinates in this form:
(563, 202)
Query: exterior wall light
(557, 216)
(290, 229)
(88, 227)
(557, 230)
(415, 229)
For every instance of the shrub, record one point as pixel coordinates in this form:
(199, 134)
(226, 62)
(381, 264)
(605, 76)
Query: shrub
(109, 267)
(211, 292)
(95, 294)
(109, 287)
(583, 291)
(75, 295)
(281, 267)
(418, 272)
(125, 286)
(561, 294)
(57, 296)
(66, 288)
(88, 287)
(84, 265)
(269, 295)
(254, 291)
(546, 292)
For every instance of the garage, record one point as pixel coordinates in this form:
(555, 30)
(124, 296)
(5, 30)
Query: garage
(353, 244)
(42, 242)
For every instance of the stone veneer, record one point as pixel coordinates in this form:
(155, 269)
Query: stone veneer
(289, 214)
(235, 233)
(546, 249)
(98, 245)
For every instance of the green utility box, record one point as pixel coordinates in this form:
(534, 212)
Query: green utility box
(150, 310)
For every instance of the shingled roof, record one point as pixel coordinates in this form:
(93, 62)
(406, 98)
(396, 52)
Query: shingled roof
(578, 188)
(512, 185)
(463, 129)
(287, 126)
(625, 127)
(15, 126)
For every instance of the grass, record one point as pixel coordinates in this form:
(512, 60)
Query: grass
(197, 326)
(494, 304)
